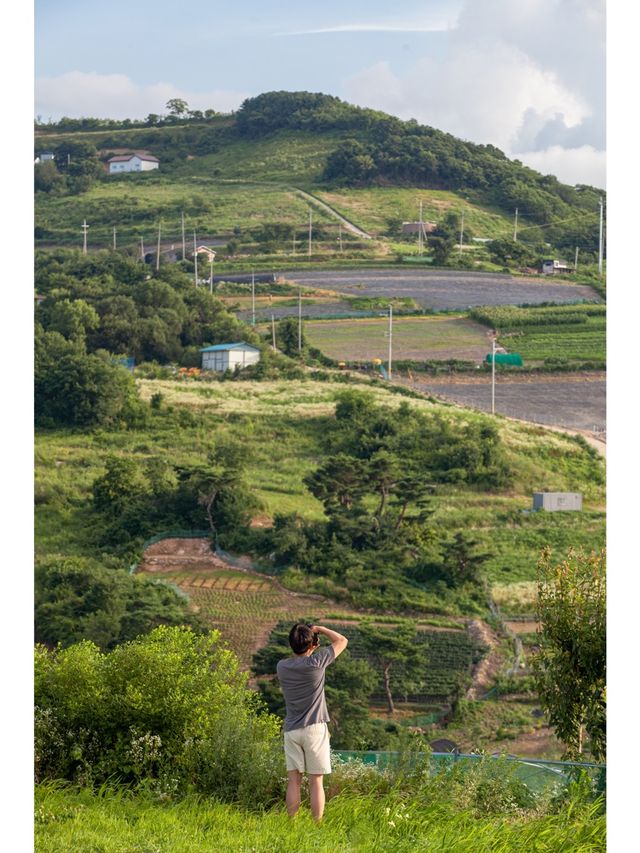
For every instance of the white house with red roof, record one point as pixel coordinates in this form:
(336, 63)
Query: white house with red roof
(134, 162)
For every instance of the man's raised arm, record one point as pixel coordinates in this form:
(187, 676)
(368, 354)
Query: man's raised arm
(338, 641)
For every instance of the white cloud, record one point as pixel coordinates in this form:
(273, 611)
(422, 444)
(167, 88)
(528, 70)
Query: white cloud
(436, 27)
(468, 95)
(526, 76)
(584, 165)
(77, 94)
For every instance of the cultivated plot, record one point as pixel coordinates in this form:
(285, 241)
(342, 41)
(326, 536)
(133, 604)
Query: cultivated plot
(576, 402)
(418, 338)
(445, 291)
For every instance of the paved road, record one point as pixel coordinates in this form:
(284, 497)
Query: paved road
(440, 290)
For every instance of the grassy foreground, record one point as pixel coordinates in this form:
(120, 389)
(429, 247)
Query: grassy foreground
(116, 822)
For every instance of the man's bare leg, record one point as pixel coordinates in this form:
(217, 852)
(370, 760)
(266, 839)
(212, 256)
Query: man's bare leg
(316, 792)
(293, 791)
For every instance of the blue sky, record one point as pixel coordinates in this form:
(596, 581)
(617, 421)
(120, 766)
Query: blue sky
(527, 76)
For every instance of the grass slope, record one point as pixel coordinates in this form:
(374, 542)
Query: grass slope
(281, 424)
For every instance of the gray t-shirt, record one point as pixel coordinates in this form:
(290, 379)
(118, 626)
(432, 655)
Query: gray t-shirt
(302, 682)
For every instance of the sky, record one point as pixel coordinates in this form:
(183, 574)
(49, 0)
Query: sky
(525, 75)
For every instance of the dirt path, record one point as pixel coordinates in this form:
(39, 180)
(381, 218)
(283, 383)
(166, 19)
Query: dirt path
(485, 671)
(349, 226)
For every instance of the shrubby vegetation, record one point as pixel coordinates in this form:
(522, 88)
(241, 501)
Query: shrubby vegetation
(376, 546)
(570, 666)
(77, 598)
(155, 711)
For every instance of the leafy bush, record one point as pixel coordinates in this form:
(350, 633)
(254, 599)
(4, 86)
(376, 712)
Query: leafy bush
(156, 711)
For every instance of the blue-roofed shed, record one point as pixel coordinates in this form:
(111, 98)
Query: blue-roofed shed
(223, 357)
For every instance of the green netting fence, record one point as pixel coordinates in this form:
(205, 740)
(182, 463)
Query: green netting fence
(537, 774)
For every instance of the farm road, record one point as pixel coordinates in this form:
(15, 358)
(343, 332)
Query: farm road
(441, 290)
(576, 402)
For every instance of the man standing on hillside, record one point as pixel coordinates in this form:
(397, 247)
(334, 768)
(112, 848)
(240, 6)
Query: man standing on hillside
(306, 737)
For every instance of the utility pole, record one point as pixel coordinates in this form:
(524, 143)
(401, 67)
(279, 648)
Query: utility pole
(210, 273)
(300, 320)
(461, 232)
(420, 232)
(253, 298)
(195, 259)
(493, 376)
(600, 242)
(575, 263)
(142, 249)
(158, 247)
(184, 244)
(273, 331)
(293, 241)
(114, 238)
(515, 228)
(390, 341)
(310, 230)
(340, 235)
(84, 227)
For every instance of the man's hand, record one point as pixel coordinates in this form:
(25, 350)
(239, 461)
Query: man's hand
(338, 641)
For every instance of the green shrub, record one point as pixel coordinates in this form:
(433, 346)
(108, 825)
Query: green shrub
(156, 711)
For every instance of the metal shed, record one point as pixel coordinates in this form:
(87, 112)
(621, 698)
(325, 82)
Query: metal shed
(557, 501)
(223, 357)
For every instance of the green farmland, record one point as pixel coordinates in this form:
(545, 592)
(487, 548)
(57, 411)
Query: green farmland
(414, 338)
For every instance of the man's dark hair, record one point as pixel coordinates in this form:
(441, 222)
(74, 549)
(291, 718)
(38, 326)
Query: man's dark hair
(301, 638)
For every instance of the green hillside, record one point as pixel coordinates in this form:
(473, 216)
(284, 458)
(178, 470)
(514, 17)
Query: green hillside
(232, 174)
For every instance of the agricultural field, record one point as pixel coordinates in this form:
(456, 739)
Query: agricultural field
(416, 338)
(563, 333)
(574, 401)
(381, 210)
(211, 207)
(439, 290)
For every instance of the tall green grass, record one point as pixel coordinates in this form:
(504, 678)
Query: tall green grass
(114, 821)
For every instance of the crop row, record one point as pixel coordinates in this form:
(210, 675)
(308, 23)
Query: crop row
(511, 317)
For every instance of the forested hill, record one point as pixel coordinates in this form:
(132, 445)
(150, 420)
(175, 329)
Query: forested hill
(363, 147)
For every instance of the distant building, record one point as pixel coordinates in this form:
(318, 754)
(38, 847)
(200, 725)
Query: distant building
(44, 156)
(206, 250)
(553, 267)
(558, 501)
(414, 227)
(223, 357)
(132, 163)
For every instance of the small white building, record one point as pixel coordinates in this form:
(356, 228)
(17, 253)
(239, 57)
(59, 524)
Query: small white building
(132, 163)
(557, 501)
(44, 157)
(554, 267)
(223, 357)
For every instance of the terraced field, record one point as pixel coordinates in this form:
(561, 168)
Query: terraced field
(244, 605)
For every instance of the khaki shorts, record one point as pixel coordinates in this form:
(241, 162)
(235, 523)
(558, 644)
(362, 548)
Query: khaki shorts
(307, 749)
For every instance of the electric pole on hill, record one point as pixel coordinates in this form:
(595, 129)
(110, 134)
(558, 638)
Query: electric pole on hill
(253, 298)
(493, 376)
(184, 244)
(142, 249)
(461, 232)
(420, 232)
(515, 228)
(600, 252)
(158, 246)
(195, 259)
(340, 235)
(310, 230)
(300, 320)
(390, 341)
(273, 332)
(575, 263)
(210, 273)
(114, 238)
(84, 227)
